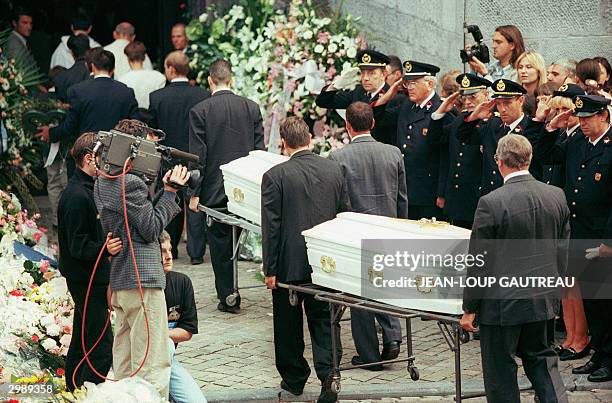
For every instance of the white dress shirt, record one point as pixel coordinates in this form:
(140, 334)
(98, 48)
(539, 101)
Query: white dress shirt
(62, 56)
(515, 174)
(121, 60)
(143, 82)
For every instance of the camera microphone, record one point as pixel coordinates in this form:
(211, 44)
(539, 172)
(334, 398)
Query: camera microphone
(182, 155)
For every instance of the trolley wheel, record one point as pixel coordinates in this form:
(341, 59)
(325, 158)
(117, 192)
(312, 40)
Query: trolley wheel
(464, 336)
(209, 221)
(231, 299)
(414, 373)
(332, 382)
(293, 298)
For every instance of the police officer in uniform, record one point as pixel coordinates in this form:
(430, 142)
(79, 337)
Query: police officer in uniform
(554, 174)
(508, 98)
(462, 178)
(411, 120)
(372, 65)
(588, 189)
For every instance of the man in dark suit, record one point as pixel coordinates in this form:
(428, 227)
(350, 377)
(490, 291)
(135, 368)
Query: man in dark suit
(587, 157)
(372, 65)
(376, 184)
(461, 178)
(169, 108)
(221, 128)
(96, 104)
(508, 99)
(78, 45)
(410, 120)
(297, 195)
(521, 229)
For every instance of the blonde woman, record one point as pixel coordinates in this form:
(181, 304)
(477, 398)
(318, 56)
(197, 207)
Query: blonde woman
(531, 71)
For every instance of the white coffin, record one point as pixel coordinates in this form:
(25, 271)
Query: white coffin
(242, 183)
(335, 254)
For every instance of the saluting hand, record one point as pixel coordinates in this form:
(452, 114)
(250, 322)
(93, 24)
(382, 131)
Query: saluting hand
(448, 103)
(543, 109)
(389, 95)
(482, 111)
(560, 121)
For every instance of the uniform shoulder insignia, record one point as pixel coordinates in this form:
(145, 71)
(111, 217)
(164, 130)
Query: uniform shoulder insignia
(425, 130)
(597, 177)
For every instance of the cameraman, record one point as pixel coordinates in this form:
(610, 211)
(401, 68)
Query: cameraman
(147, 220)
(508, 45)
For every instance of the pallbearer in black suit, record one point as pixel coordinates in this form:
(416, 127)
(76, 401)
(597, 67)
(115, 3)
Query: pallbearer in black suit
(376, 184)
(522, 228)
(297, 195)
(96, 104)
(411, 120)
(508, 99)
(169, 108)
(588, 189)
(222, 128)
(554, 174)
(372, 65)
(462, 179)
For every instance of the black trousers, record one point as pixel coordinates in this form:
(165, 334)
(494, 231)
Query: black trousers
(289, 337)
(102, 356)
(364, 333)
(599, 319)
(196, 233)
(498, 347)
(175, 227)
(220, 243)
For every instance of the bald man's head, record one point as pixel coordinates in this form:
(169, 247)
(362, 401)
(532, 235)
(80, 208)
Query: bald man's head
(176, 65)
(124, 30)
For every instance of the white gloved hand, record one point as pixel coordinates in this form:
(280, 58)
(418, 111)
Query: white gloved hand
(348, 78)
(591, 253)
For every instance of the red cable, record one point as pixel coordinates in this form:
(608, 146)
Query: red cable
(126, 169)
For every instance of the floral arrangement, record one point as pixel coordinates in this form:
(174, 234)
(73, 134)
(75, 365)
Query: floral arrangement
(36, 320)
(19, 151)
(281, 60)
(18, 224)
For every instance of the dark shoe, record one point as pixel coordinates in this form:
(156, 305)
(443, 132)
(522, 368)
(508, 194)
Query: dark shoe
(476, 335)
(197, 260)
(326, 396)
(356, 360)
(227, 308)
(603, 374)
(569, 354)
(293, 391)
(390, 351)
(587, 368)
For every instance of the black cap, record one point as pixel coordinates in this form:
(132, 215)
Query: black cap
(569, 91)
(589, 105)
(370, 59)
(414, 70)
(503, 88)
(471, 83)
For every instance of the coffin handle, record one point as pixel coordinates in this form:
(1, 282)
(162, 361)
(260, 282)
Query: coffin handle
(238, 195)
(328, 264)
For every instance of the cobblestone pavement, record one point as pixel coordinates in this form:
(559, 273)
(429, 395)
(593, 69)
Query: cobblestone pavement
(236, 352)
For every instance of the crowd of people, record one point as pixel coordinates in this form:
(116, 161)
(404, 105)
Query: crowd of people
(515, 148)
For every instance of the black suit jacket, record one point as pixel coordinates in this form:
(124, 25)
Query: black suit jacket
(96, 104)
(169, 108)
(524, 228)
(222, 128)
(295, 196)
(74, 75)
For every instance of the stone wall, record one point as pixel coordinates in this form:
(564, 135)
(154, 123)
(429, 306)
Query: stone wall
(432, 30)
